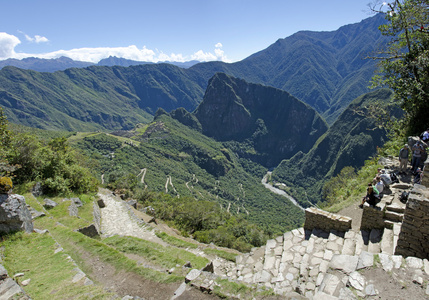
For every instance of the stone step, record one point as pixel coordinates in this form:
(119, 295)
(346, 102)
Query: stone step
(362, 239)
(388, 224)
(387, 242)
(396, 207)
(374, 244)
(393, 216)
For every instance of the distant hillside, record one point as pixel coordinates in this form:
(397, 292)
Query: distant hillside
(44, 65)
(94, 97)
(266, 120)
(326, 70)
(62, 63)
(351, 140)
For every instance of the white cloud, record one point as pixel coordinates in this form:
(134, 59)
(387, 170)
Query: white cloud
(9, 42)
(7, 45)
(36, 39)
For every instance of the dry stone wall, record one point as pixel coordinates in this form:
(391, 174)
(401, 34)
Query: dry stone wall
(372, 217)
(413, 239)
(320, 219)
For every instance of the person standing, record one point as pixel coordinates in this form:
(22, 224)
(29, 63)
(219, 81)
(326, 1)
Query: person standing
(403, 159)
(417, 154)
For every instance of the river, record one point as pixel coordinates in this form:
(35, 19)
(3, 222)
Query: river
(264, 181)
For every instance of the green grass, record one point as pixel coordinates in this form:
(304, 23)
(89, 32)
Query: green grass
(167, 257)
(51, 273)
(224, 254)
(228, 289)
(175, 241)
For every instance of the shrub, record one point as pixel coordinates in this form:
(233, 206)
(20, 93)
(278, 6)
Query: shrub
(5, 185)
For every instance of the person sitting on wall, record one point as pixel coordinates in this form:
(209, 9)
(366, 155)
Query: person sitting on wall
(371, 197)
(379, 185)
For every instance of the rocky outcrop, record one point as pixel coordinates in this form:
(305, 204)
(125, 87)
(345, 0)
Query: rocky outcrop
(9, 289)
(278, 124)
(14, 214)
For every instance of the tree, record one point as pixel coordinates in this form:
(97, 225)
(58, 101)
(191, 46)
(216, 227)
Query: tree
(404, 64)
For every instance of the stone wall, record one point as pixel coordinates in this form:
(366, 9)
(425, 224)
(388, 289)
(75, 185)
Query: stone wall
(97, 216)
(320, 219)
(413, 239)
(372, 217)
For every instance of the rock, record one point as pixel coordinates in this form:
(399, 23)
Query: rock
(39, 231)
(34, 213)
(370, 290)
(9, 289)
(418, 279)
(25, 282)
(90, 231)
(73, 211)
(346, 263)
(366, 260)
(37, 190)
(192, 275)
(132, 203)
(188, 265)
(77, 201)
(18, 275)
(386, 262)
(14, 215)
(357, 281)
(3, 272)
(49, 204)
(414, 262)
(209, 267)
(101, 203)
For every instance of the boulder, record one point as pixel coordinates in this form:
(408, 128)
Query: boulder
(132, 203)
(14, 215)
(101, 203)
(49, 204)
(37, 190)
(77, 201)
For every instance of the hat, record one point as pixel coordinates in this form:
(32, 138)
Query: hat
(406, 145)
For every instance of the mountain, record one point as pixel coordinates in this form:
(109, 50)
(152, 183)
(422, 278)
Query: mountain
(94, 97)
(352, 139)
(323, 69)
(326, 70)
(44, 65)
(275, 123)
(62, 63)
(123, 62)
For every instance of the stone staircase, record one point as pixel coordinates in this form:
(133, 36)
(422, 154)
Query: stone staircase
(300, 259)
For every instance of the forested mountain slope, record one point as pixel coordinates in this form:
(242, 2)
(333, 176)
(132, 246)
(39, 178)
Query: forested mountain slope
(351, 140)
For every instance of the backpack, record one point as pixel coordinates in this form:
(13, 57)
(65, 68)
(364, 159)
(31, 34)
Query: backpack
(404, 197)
(394, 178)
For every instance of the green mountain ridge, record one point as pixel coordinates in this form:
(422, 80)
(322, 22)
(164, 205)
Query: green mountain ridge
(274, 123)
(323, 69)
(351, 140)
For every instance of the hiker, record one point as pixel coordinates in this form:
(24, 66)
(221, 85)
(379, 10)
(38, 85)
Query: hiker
(417, 154)
(371, 197)
(403, 159)
(379, 185)
(425, 136)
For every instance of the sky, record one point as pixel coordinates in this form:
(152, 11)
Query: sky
(163, 30)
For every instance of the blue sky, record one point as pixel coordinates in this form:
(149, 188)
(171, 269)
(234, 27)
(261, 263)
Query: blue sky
(162, 30)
